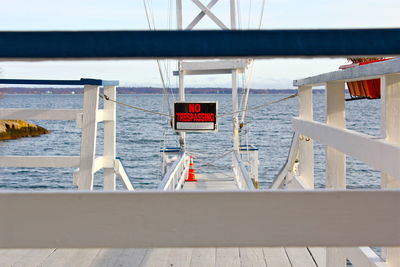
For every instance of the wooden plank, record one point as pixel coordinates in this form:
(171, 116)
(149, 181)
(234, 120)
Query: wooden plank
(253, 257)
(306, 147)
(33, 258)
(319, 255)
(371, 150)
(276, 257)
(40, 161)
(88, 140)
(70, 257)
(10, 256)
(110, 111)
(203, 257)
(156, 257)
(179, 257)
(119, 257)
(227, 257)
(363, 256)
(300, 257)
(39, 114)
(284, 220)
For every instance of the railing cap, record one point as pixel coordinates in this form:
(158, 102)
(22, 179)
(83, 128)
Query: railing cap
(82, 81)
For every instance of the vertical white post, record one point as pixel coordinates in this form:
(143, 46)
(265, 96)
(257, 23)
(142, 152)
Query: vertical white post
(335, 116)
(390, 130)
(306, 149)
(182, 97)
(233, 14)
(335, 160)
(109, 138)
(235, 108)
(88, 140)
(179, 14)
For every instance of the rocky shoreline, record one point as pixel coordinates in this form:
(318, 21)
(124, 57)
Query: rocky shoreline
(14, 129)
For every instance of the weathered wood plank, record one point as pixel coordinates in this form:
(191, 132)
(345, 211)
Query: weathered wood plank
(119, 257)
(203, 257)
(276, 257)
(179, 257)
(319, 255)
(33, 258)
(9, 256)
(252, 257)
(70, 257)
(156, 257)
(300, 257)
(227, 257)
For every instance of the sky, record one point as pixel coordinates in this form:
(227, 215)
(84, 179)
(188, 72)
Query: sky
(16, 15)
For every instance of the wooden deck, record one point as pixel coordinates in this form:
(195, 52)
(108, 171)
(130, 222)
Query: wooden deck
(258, 257)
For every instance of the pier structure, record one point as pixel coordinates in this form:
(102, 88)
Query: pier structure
(344, 223)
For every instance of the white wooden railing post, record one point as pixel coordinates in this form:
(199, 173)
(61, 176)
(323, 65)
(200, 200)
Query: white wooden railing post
(109, 138)
(390, 130)
(306, 150)
(88, 140)
(335, 160)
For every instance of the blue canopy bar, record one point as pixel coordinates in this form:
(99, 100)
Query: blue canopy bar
(62, 45)
(60, 82)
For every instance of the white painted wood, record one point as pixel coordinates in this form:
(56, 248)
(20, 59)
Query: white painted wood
(156, 257)
(179, 14)
(335, 257)
(373, 151)
(306, 149)
(252, 257)
(293, 218)
(235, 109)
(98, 164)
(203, 257)
(390, 130)
(179, 257)
(119, 257)
(363, 256)
(288, 166)
(276, 257)
(9, 256)
(33, 258)
(233, 14)
(319, 255)
(227, 257)
(110, 108)
(242, 176)
(369, 71)
(39, 114)
(120, 170)
(104, 115)
(300, 257)
(70, 257)
(228, 65)
(210, 14)
(39, 161)
(88, 139)
(335, 116)
(79, 120)
(297, 182)
(212, 181)
(199, 16)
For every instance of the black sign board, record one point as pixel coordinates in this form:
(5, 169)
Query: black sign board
(197, 116)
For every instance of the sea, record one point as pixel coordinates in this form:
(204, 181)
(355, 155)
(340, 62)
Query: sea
(140, 135)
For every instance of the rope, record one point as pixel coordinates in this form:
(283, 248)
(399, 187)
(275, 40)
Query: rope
(260, 106)
(137, 108)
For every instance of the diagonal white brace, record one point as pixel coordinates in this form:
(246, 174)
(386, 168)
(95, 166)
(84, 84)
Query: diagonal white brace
(200, 15)
(211, 15)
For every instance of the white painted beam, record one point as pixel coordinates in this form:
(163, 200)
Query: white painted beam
(369, 71)
(39, 161)
(306, 147)
(110, 112)
(373, 151)
(39, 114)
(201, 219)
(239, 64)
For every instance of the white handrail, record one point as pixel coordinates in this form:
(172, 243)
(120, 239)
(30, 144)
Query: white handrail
(177, 173)
(240, 172)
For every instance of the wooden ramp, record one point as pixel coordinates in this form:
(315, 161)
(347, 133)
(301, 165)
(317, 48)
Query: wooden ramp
(168, 257)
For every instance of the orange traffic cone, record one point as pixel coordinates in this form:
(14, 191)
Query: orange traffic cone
(191, 175)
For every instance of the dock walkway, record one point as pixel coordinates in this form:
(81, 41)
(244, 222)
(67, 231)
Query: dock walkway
(188, 257)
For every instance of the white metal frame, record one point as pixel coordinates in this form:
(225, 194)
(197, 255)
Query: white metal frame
(86, 119)
(175, 177)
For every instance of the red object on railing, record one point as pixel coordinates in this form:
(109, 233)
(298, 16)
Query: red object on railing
(370, 89)
(191, 176)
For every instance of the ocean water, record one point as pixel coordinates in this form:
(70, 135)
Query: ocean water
(140, 136)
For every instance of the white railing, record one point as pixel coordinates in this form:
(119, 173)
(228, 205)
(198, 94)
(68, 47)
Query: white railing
(175, 177)
(381, 153)
(240, 173)
(86, 119)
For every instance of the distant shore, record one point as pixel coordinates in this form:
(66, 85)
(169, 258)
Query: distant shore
(14, 129)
